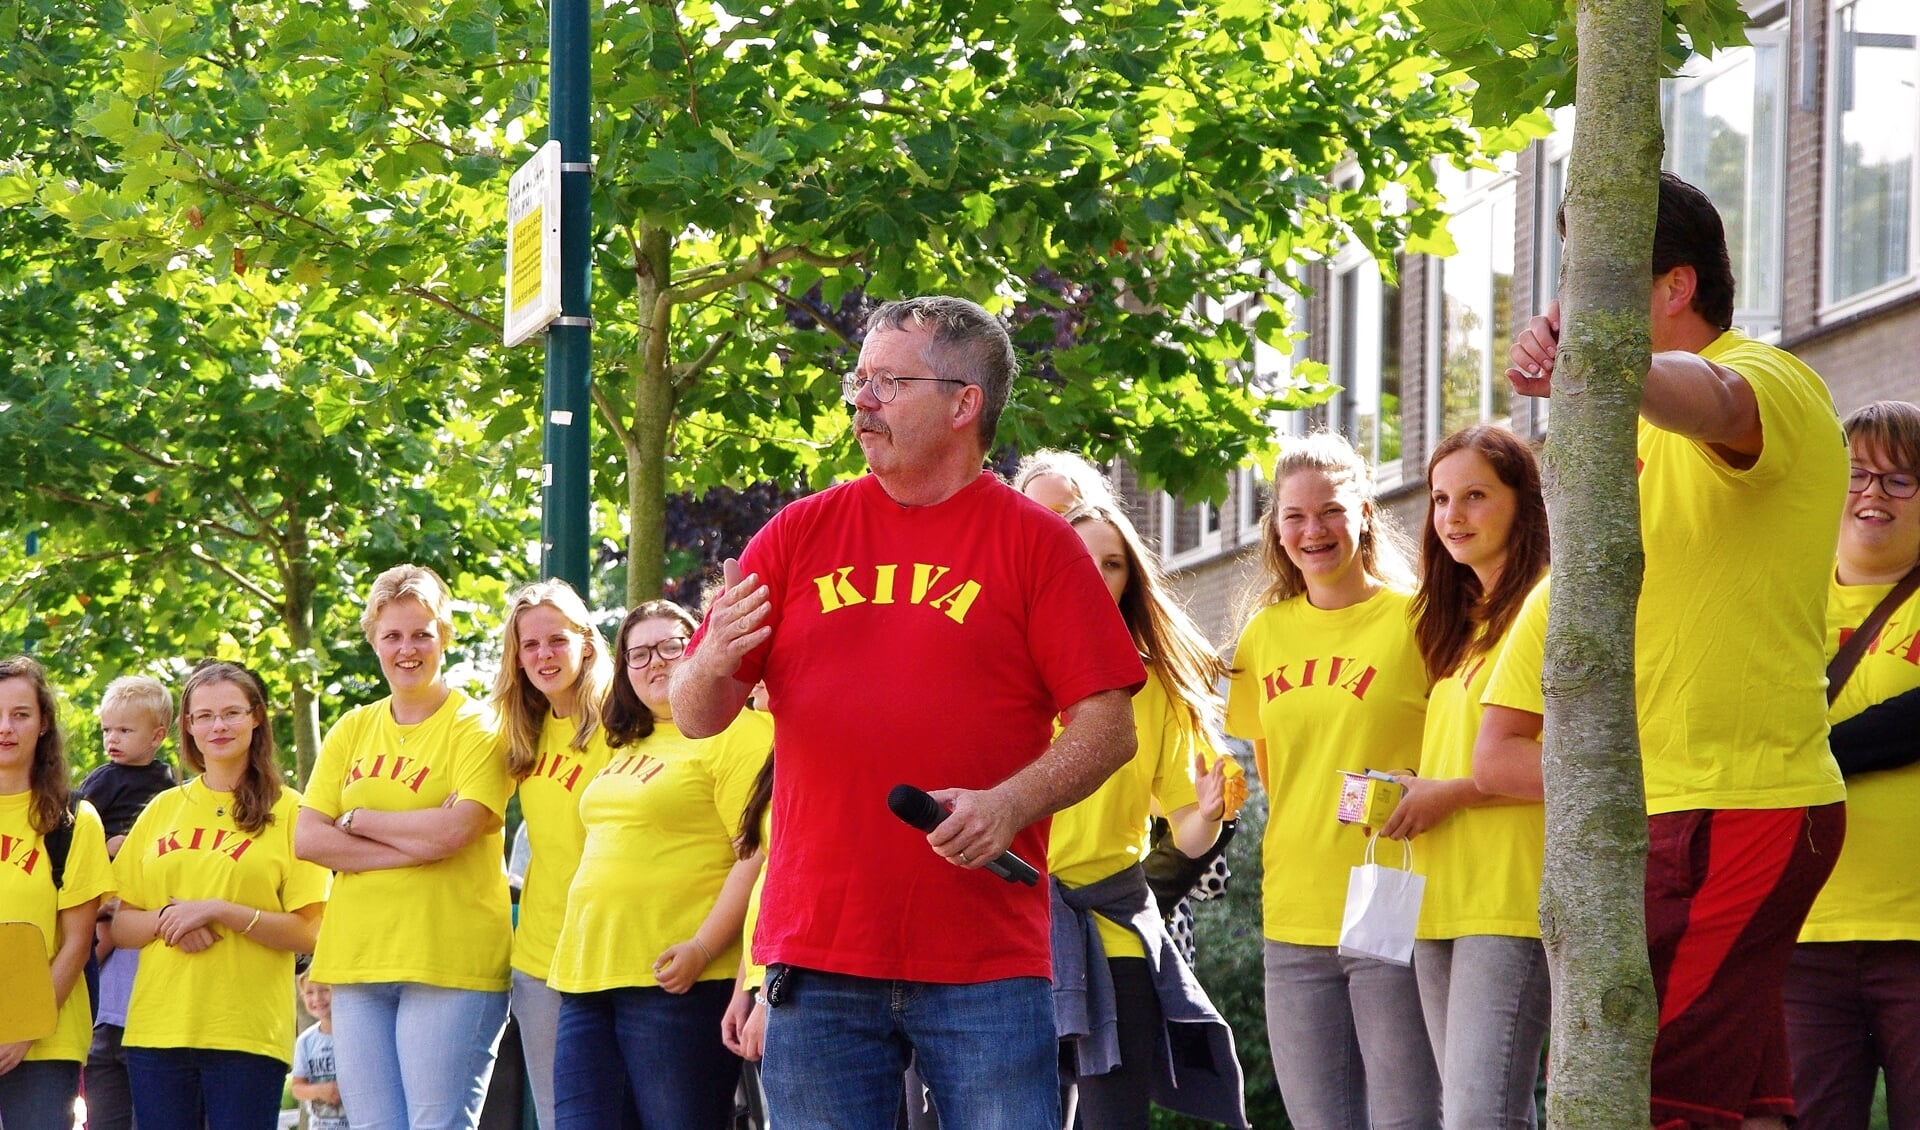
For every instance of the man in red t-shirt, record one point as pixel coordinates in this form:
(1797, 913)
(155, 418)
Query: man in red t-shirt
(924, 624)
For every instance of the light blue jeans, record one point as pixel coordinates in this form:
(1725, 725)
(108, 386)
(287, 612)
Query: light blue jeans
(1487, 1003)
(837, 1045)
(537, 1007)
(1349, 1045)
(414, 1057)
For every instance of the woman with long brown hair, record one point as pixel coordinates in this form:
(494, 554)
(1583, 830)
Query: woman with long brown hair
(1104, 912)
(1481, 967)
(44, 833)
(213, 895)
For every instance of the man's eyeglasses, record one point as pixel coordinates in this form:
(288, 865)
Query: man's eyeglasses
(668, 649)
(885, 385)
(1894, 484)
(232, 716)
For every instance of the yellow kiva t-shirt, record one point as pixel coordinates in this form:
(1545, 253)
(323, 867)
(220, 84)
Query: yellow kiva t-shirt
(445, 923)
(1328, 691)
(1110, 829)
(550, 802)
(237, 995)
(1482, 864)
(1872, 895)
(1728, 665)
(660, 819)
(753, 974)
(27, 894)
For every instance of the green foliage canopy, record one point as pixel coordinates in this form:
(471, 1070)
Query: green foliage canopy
(1101, 170)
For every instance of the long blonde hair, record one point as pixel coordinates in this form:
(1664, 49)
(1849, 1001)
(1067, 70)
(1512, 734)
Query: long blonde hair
(523, 707)
(1090, 487)
(1383, 549)
(1170, 643)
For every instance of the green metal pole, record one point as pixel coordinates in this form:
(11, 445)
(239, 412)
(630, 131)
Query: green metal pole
(569, 402)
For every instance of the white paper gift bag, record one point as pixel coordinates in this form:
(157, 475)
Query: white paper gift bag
(1383, 909)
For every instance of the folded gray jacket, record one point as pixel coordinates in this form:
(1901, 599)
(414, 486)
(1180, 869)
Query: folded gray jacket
(1197, 1072)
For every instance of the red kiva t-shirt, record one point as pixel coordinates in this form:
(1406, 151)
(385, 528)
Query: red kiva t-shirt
(931, 646)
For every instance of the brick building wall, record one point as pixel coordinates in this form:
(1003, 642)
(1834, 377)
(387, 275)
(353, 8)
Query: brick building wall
(1865, 352)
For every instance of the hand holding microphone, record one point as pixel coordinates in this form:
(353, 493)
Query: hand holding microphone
(963, 824)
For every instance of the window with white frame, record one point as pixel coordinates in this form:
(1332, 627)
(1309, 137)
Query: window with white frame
(1555, 150)
(1872, 138)
(1250, 499)
(1364, 360)
(1475, 299)
(1189, 532)
(1726, 135)
(1272, 365)
(1193, 532)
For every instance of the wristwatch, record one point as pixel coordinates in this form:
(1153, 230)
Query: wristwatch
(346, 822)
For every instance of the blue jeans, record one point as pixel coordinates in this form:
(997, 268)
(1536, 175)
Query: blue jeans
(236, 1090)
(665, 1046)
(1349, 1044)
(837, 1045)
(39, 1094)
(537, 1007)
(1488, 1005)
(109, 1100)
(414, 1057)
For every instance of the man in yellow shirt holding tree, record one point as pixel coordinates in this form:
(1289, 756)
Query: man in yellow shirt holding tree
(1743, 469)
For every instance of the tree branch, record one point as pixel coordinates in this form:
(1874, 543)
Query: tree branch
(877, 107)
(451, 307)
(163, 462)
(245, 583)
(682, 375)
(693, 80)
(424, 139)
(738, 434)
(247, 507)
(825, 321)
(761, 262)
(226, 188)
(611, 415)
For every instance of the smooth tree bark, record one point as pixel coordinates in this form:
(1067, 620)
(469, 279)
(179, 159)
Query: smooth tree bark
(1592, 895)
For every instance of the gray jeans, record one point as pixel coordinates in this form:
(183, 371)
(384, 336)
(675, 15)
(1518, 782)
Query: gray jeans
(537, 1007)
(1349, 1044)
(1487, 1003)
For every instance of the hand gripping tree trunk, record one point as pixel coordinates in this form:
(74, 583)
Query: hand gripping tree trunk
(1592, 898)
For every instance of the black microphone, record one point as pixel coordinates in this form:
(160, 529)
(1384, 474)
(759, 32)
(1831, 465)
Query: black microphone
(925, 813)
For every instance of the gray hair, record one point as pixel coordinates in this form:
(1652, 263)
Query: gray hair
(968, 345)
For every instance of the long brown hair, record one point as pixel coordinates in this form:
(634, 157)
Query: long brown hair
(1169, 642)
(1382, 548)
(625, 717)
(258, 789)
(1453, 619)
(48, 780)
(523, 707)
(759, 799)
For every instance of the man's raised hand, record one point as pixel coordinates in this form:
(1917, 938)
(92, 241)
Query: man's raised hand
(1531, 359)
(736, 624)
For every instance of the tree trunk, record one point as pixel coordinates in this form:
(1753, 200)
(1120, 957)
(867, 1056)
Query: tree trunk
(653, 401)
(1592, 895)
(297, 614)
